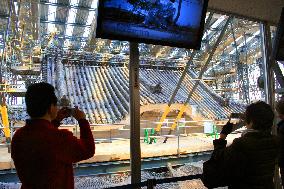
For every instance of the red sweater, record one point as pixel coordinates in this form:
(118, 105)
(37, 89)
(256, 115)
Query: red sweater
(43, 154)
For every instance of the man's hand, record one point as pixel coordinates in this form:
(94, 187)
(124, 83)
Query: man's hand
(62, 113)
(227, 129)
(78, 114)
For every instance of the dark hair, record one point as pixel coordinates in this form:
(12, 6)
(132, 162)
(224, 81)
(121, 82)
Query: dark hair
(280, 106)
(39, 98)
(260, 114)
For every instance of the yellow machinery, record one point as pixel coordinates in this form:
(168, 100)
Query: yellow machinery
(196, 83)
(5, 120)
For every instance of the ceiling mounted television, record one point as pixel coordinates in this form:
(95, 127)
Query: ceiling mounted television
(279, 40)
(176, 23)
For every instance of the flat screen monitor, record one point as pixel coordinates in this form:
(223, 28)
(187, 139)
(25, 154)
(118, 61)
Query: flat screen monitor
(176, 23)
(279, 40)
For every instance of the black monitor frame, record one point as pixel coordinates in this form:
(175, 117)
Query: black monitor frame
(279, 37)
(101, 34)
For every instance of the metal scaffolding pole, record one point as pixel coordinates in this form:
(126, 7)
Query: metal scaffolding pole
(245, 74)
(202, 71)
(134, 102)
(6, 36)
(180, 80)
(276, 68)
(238, 63)
(268, 62)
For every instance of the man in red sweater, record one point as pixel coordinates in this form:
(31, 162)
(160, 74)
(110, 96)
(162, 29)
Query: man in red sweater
(43, 154)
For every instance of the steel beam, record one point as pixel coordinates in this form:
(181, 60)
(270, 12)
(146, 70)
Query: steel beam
(245, 73)
(72, 38)
(63, 23)
(135, 151)
(181, 79)
(267, 64)
(68, 6)
(269, 86)
(202, 71)
(4, 16)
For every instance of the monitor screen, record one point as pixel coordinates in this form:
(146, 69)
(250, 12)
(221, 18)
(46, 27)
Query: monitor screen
(177, 23)
(279, 40)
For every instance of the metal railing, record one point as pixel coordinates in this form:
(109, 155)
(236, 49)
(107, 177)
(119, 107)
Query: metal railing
(151, 183)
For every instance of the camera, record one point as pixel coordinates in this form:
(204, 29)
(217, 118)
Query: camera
(237, 115)
(70, 111)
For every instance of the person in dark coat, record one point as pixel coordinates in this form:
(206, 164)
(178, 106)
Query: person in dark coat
(280, 134)
(249, 162)
(42, 153)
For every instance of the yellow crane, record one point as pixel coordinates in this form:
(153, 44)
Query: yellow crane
(204, 68)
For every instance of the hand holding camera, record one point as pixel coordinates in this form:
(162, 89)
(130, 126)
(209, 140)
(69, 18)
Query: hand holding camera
(227, 129)
(78, 114)
(66, 112)
(63, 113)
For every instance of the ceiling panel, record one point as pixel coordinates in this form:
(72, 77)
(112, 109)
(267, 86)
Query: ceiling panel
(262, 10)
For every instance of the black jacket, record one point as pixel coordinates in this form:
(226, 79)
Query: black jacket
(248, 163)
(280, 133)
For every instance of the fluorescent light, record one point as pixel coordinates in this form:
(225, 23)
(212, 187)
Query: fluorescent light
(51, 28)
(246, 41)
(74, 2)
(69, 30)
(71, 19)
(215, 25)
(220, 19)
(16, 7)
(86, 32)
(51, 13)
(94, 4)
(91, 16)
(51, 17)
(72, 15)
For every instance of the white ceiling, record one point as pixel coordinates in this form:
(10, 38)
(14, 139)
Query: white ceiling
(261, 10)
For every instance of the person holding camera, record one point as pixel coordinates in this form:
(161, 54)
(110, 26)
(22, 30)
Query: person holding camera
(42, 153)
(249, 162)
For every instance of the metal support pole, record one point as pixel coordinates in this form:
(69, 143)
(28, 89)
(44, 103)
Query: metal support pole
(135, 152)
(6, 36)
(181, 79)
(238, 63)
(204, 68)
(245, 73)
(178, 149)
(269, 82)
(276, 68)
(202, 71)
(267, 64)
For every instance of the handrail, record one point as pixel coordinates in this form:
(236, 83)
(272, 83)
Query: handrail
(150, 183)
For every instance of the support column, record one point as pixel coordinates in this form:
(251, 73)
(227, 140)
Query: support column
(269, 88)
(135, 152)
(193, 53)
(267, 64)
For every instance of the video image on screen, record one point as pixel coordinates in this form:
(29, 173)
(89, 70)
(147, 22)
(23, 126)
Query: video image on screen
(166, 22)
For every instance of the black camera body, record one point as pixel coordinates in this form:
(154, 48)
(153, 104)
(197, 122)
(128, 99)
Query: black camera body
(237, 115)
(70, 111)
